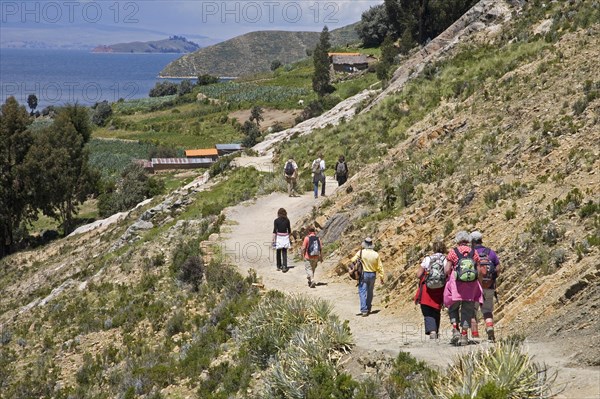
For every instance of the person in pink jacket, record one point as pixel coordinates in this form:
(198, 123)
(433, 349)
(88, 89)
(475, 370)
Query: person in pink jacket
(462, 289)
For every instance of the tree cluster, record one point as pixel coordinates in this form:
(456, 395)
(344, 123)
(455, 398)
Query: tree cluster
(46, 172)
(410, 20)
(133, 187)
(321, 81)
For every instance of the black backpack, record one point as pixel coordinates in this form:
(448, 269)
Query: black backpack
(289, 168)
(314, 246)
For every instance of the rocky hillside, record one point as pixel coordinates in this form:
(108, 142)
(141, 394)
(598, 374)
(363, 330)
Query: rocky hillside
(500, 135)
(251, 53)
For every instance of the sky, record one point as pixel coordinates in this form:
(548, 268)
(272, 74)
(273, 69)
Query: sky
(89, 23)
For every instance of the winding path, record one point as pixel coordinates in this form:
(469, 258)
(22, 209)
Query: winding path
(246, 238)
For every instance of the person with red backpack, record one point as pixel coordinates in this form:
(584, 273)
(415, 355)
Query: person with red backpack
(488, 259)
(312, 251)
(430, 293)
(462, 290)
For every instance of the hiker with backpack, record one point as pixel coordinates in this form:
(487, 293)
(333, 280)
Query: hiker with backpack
(312, 251)
(430, 293)
(341, 170)
(488, 259)
(462, 289)
(290, 172)
(281, 238)
(371, 263)
(318, 172)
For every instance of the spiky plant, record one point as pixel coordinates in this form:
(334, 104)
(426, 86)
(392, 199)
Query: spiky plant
(504, 366)
(292, 336)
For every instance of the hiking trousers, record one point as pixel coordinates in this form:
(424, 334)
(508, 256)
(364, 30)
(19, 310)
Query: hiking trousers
(310, 265)
(488, 303)
(466, 309)
(431, 317)
(291, 183)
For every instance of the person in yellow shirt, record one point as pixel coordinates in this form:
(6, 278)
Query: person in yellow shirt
(371, 267)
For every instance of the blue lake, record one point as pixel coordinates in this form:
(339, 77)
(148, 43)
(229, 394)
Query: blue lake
(57, 77)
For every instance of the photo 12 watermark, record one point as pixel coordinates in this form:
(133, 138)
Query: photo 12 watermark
(269, 12)
(69, 12)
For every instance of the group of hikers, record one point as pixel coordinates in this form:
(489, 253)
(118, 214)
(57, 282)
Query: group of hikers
(290, 172)
(463, 279)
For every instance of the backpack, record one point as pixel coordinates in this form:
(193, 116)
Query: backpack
(316, 166)
(355, 270)
(341, 170)
(289, 168)
(466, 268)
(487, 281)
(314, 246)
(436, 277)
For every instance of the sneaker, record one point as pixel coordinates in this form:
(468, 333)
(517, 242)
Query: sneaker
(364, 314)
(463, 340)
(433, 335)
(285, 269)
(455, 337)
(313, 284)
(309, 283)
(490, 334)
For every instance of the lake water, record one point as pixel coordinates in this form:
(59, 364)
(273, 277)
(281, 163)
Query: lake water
(57, 77)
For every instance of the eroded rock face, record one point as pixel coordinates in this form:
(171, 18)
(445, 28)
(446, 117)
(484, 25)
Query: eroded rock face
(334, 228)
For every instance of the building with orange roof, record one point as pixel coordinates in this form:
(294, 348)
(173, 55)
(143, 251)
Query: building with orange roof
(212, 153)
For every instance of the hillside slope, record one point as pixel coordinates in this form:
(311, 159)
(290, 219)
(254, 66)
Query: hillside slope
(490, 139)
(500, 135)
(251, 53)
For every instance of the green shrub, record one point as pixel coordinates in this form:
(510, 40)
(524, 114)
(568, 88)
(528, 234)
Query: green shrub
(515, 375)
(176, 324)
(408, 374)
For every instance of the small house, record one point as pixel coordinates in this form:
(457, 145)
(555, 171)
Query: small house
(225, 149)
(348, 62)
(211, 153)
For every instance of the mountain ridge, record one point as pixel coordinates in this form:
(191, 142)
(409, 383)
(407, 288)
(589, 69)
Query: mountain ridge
(252, 53)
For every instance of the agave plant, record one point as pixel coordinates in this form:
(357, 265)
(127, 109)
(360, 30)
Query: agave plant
(503, 367)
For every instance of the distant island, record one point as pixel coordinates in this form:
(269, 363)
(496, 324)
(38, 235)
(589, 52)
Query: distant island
(174, 44)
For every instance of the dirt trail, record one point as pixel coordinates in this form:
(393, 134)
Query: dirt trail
(246, 238)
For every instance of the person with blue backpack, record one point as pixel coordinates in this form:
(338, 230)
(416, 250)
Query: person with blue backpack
(312, 252)
(462, 290)
(488, 259)
(430, 292)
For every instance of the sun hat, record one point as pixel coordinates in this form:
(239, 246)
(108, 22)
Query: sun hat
(367, 243)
